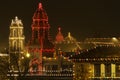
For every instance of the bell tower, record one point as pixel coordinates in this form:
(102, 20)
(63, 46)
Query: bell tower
(16, 40)
(40, 44)
(16, 37)
(40, 31)
(40, 26)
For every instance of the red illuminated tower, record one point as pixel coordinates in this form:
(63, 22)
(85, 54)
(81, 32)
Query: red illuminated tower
(40, 26)
(40, 44)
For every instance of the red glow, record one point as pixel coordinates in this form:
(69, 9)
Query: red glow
(40, 5)
(59, 36)
(40, 42)
(59, 29)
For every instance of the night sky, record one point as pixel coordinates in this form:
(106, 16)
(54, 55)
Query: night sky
(83, 18)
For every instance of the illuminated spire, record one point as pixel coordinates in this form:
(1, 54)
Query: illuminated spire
(40, 5)
(69, 34)
(16, 18)
(59, 29)
(40, 44)
(40, 22)
(70, 38)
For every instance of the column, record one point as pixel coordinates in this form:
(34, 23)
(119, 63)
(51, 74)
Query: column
(113, 70)
(43, 68)
(92, 72)
(102, 69)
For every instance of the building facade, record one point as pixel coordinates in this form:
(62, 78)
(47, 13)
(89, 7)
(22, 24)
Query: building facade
(93, 59)
(101, 62)
(16, 42)
(45, 58)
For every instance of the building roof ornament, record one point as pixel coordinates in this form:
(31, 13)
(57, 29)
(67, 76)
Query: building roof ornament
(69, 34)
(40, 5)
(16, 18)
(69, 38)
(16, 22)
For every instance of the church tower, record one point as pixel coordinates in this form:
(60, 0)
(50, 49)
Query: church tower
(40, 44)
(40, 31)
(16, 40)
(40, 26)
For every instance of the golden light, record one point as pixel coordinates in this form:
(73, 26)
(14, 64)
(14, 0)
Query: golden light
(49, 58)
(28, 55)
(44, 57)
(114, 39)
(22, 57)
(65, 58)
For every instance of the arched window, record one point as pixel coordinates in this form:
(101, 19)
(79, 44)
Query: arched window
(21, 45)
(14, 33)
(15, 44)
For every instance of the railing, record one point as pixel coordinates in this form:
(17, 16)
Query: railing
(43, 73)
(106, 76)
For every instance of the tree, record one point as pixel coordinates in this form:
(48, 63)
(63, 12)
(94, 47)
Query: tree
(4, 67)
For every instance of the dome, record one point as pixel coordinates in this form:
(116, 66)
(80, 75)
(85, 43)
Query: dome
(59, 36)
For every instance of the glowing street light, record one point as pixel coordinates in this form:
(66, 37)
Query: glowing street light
(27, 55)
(114, 39)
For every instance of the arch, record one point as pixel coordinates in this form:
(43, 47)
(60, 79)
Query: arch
(15, 44)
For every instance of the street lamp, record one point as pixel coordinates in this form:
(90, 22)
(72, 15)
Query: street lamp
(27, 55)
(114, 39)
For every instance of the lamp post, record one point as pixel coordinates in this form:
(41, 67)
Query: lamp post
(28, 55)
(115, 40)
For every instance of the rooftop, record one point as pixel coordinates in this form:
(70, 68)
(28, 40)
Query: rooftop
(105, 51)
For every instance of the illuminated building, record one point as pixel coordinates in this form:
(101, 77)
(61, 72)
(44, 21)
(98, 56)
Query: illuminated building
(44, 59)
(69, 44)
(95, 58)
(40, 44)
(101, 62)
(103, 41)
(40, 33)
(16, 41)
